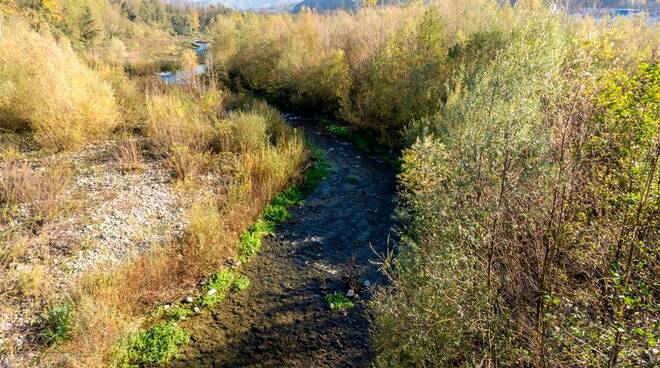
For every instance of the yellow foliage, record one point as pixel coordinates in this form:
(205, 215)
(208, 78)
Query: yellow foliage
(188, 60)
(46, 88)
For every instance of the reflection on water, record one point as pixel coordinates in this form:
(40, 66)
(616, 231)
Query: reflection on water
(652, 13)
(182, 76)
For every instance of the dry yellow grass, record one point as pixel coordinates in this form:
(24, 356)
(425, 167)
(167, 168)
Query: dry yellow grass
(176, 121)
(40, 189)
(128, 153)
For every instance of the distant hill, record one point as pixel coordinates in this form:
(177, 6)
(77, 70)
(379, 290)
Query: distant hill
(258, 5)
(332, 5)
(328, 5)
(294, 6)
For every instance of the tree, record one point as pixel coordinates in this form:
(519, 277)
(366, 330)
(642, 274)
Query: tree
(54, 8)
(88, 30)
(194, 20)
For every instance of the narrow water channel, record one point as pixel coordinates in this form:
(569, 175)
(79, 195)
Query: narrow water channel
(328, 246)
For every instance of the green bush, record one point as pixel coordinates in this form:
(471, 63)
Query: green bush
(447, 305)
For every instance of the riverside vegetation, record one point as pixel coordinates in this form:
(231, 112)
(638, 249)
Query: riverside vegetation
(529, 189)
(529, 181)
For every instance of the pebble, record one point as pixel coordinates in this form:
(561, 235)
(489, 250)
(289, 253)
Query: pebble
(196, 309)
(211, 291)
(366, 283)
(350, 293)
(189, 299)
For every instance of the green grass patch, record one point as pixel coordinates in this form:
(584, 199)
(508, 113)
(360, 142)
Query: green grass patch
(277, 211)
(290, 197)
(346, 132)
(250, 242)
(155, 346)
(340, 130)
(352, 179)
(57, 324)
(177, 313)
(315, 174)
(362, 143)
(241, 283)
(338, 301)
(217, 288)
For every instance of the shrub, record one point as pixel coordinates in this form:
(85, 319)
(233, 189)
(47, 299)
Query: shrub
(57, 324)
(47, 89)
(174, 119)
(206, 231)
(409, 76)
(28, 280)
(188, 60)
(128, 153)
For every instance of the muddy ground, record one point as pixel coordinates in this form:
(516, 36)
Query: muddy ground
(282, 320)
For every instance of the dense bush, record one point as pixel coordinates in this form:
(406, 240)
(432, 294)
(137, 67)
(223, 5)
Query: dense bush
(409, 76)
(282, 57)
(45, 88)
(380, 68)
(530, 200)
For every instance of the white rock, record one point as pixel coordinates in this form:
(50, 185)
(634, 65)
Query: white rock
(211, 291)
(366, 283)
(350, 293)
(332, 305)
(196, 309)
(166, 306)
(189, 299)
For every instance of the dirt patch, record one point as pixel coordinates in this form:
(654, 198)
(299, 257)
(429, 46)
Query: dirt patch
(282, 320)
